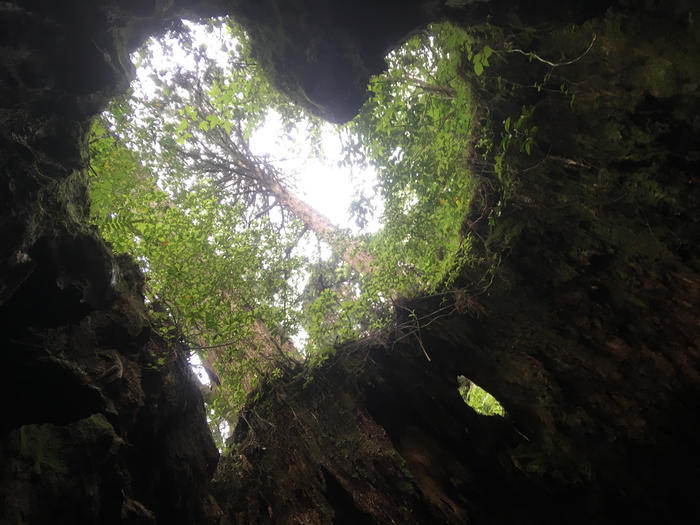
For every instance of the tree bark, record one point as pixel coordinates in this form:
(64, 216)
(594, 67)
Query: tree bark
(349, 249)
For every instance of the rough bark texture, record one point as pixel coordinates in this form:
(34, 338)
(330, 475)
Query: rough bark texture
(101, 419)
(322, 55)
(581, 319)
(587, 334)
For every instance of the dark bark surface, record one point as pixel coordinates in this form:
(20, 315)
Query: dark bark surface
(581, 317)
(101, 419)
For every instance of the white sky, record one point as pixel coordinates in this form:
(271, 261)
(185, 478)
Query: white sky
(323, 184)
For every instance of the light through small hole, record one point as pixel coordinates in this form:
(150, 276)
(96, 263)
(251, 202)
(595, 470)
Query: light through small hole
(478, 399)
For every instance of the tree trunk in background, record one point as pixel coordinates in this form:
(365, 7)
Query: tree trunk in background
(265, 350)
(340, 242)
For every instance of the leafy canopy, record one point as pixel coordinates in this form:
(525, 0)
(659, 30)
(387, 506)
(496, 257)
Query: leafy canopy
(175, 184)
(415, 129)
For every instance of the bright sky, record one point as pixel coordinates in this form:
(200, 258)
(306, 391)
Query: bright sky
(323, 184)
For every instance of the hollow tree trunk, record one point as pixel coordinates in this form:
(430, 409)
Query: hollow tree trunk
(586, 329)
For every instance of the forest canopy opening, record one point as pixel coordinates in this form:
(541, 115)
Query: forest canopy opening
(198, 173)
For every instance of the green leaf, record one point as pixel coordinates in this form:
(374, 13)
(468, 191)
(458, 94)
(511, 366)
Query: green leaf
(528, 145)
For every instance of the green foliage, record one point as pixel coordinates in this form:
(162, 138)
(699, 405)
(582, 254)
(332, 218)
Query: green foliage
(480, 400)
(416, 129)
(175, 184)
(480, 59)
(180, 117)
(340, 305)
(213, 269)
(517, 132)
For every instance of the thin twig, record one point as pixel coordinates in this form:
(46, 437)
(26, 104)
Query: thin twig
(263, 419)
(554, 64)
(229, 343)
(420, 342)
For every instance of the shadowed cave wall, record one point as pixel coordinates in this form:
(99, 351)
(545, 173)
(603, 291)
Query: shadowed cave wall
(587, 331)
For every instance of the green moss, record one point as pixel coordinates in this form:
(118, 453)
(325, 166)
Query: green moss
(660, 77)
(503, 235)
(405, 486)
(59, 449)
(41, 445)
